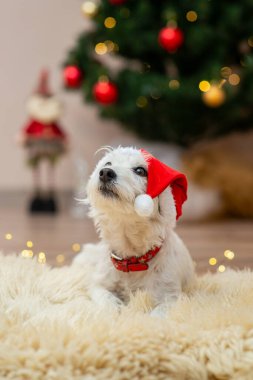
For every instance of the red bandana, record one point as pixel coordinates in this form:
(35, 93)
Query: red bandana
(134, 264)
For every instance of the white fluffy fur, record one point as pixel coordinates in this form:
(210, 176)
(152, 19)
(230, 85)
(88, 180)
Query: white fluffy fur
(126, 233)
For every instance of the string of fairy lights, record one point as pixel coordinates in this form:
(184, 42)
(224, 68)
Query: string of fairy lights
(170, 38)
(40, 256)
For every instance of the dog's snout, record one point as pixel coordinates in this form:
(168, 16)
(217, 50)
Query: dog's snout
(107, 175)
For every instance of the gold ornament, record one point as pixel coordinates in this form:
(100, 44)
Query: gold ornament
(89, 8)
(214, 97)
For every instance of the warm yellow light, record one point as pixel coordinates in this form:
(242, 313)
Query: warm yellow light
(8, 236)
(212, 261)
(116, 47)
(204, 86)
(141, 101)
(29, 244)
(234, 79)
(250, 41)
(60, 259)
(110, 45)
(174, 84)
(214, 97)
(229, 254)
(225, 72)
(89, 8)
(24, 252)
(110, 22)
(191, 16)
(27, 253)
(101, 48)
(42, 258)
(221, 268)
(76, 247)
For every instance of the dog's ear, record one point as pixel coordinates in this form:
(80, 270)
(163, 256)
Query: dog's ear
(167, 207)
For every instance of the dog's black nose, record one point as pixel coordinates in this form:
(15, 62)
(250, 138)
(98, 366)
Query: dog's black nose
(107, 175)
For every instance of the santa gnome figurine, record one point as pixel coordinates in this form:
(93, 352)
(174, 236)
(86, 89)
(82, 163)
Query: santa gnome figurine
(44, 140)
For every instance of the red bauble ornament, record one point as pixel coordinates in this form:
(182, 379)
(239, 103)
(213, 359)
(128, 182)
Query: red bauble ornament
(72, 76)
(105, 92)
(117, 2)
(170, 38)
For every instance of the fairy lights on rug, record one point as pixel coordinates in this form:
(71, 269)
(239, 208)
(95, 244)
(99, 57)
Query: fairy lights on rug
(27, 253)
(221, 268)
(213, 261)
(29, 244)
(42, 258)
(229, 254)
(8, 236)
(60, 259)
(76, 247)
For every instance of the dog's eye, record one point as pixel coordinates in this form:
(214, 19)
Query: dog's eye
(108, 164)
(140, 171)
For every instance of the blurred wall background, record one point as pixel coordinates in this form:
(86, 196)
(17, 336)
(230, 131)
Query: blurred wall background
(36, 33)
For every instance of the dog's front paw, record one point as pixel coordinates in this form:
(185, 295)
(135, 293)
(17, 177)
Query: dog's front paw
(105, 300)
(113, 302)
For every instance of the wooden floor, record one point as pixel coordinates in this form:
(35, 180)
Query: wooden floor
(55, 235)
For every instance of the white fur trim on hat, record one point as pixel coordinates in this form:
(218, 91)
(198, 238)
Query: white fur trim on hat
(144, 205)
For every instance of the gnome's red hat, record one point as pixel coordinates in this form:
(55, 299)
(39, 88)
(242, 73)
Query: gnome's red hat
(160, 176)
(43, 87)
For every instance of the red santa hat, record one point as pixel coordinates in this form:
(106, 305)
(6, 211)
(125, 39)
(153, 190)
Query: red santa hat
(160, 176)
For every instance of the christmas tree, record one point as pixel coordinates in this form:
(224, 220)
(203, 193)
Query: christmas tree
(186, 72)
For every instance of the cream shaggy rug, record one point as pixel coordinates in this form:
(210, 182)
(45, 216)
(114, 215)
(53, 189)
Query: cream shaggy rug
(50, 330)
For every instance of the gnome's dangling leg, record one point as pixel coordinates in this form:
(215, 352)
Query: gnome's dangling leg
(37, 202)
(50, 200)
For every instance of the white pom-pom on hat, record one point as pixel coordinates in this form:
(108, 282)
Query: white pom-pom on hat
(160, 176)
(144, 205)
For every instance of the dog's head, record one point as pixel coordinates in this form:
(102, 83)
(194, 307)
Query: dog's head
(119, 177)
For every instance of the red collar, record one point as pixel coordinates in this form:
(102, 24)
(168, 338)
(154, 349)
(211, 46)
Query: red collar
(133, 263)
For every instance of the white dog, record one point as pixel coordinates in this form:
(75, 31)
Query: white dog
(132, 199)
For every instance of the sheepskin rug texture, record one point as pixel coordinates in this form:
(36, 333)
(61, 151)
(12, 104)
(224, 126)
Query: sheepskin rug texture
(49, 329)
